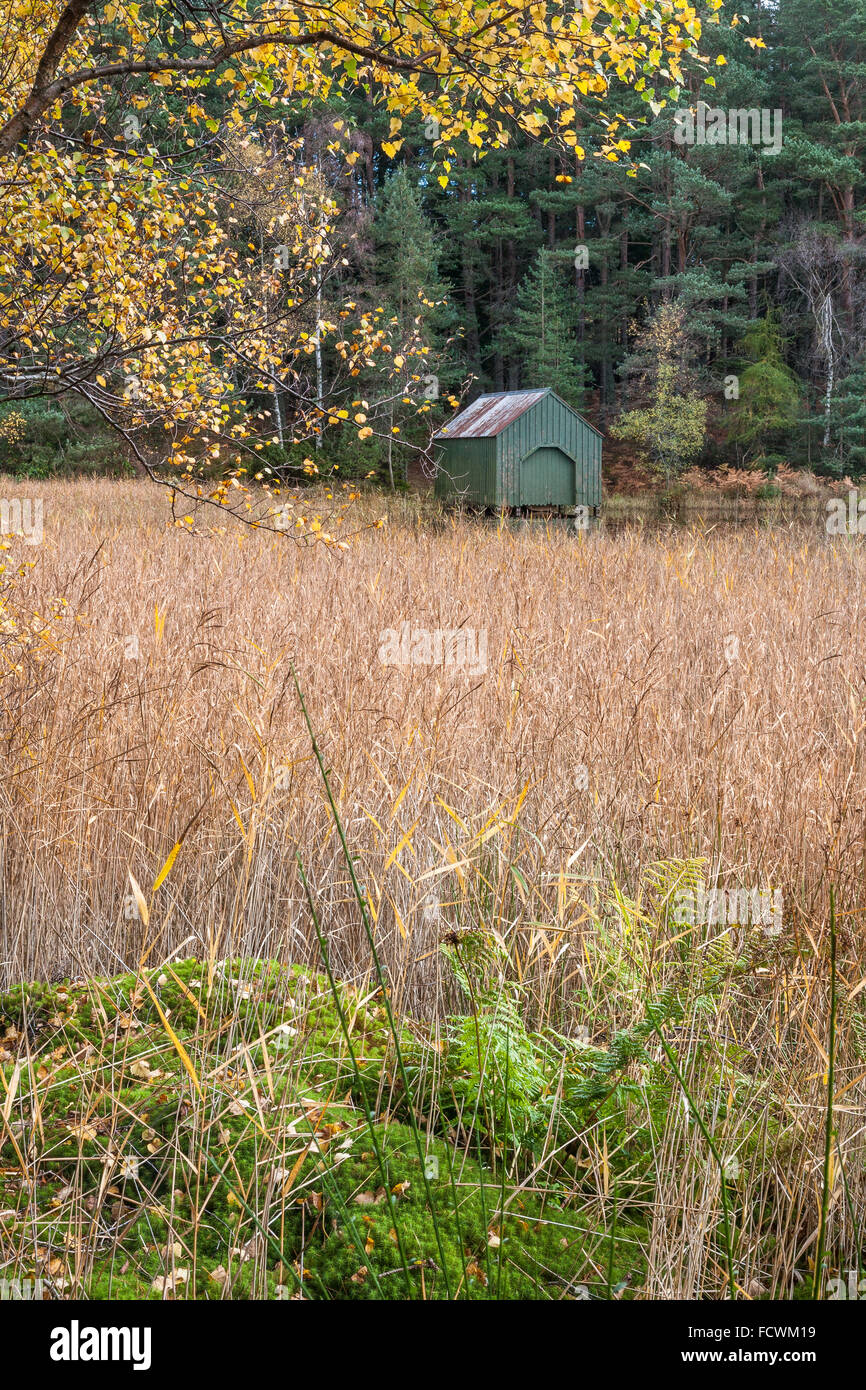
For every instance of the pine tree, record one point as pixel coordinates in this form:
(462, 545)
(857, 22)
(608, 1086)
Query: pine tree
(768, 391)
(414, 299)
(850, 422)
(542, 330)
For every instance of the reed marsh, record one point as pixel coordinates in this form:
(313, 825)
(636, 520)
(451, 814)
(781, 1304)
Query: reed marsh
(514, 987)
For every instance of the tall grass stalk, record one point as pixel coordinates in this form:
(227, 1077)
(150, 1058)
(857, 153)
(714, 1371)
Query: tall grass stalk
(827, 1182)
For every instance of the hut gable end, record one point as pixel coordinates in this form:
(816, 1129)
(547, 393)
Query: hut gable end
(520, 449)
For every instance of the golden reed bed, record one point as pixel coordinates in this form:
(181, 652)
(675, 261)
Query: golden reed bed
(645, 696)
(631, 697)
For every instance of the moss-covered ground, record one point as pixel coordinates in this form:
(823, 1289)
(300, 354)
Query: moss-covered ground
(206, 1132)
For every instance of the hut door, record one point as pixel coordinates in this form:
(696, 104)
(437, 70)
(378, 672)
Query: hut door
(547, 479)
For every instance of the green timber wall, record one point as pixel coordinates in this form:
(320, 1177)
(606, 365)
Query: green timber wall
(550, 423)
(468, 467)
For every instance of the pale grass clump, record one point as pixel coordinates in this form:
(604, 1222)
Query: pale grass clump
(710, 682)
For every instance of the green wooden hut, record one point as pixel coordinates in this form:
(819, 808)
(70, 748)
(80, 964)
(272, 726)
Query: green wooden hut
(519, 449)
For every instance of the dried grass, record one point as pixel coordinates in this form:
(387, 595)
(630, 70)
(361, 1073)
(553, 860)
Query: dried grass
(712, 683)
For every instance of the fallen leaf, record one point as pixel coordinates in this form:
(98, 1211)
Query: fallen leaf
(168, 1283)
(370, 1199)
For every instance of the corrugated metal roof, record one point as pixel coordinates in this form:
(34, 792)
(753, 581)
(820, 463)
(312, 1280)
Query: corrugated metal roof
(489, 415)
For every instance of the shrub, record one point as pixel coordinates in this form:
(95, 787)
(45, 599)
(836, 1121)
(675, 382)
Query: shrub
(38, 439)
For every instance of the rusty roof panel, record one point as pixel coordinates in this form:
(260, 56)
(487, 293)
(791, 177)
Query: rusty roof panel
(489, 415)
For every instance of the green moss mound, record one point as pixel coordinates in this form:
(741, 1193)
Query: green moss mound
(240, 1133)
